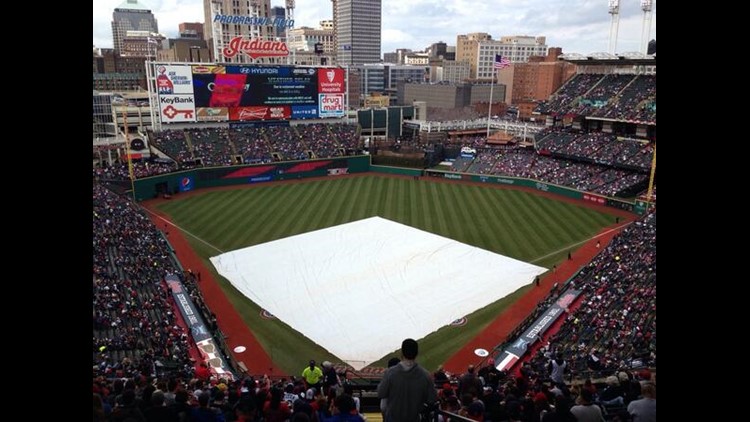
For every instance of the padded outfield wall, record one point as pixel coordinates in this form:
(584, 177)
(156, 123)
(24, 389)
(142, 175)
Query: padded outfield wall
(184, 181)
(537, 185)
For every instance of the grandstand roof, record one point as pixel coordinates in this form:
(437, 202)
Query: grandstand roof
(596, 60)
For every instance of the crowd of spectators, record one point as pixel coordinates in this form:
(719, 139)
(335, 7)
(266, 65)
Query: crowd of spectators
(601, 94)
(221, 146)
(212, 146)
(599, 147)
(287, 143)
(517, 161)
(633, 101)
(320, 139)
(141, 168)
(173, 143)
(630, 98)
(611, 333)
(135, 330)
(345, 134)
(614, 328)
(561, 100)
(252, 144)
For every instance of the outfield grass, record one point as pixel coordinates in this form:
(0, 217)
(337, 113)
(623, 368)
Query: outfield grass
(518, 224)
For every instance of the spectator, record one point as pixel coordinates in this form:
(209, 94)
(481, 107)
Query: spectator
(312, 375)
(408, 387)
(586, 410)
(469, 383)
(561, 412)
(644, 410)
(557, 369)
(331, 380)
(440, 376)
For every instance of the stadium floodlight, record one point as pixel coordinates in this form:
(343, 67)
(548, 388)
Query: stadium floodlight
(648, 12)
(614, 10)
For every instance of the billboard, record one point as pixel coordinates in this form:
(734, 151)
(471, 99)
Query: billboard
(331, 105)
(174, 80)
(331, 87)
(215, 92)
(212, 114)
(255, 48)
(177, 108)
(260, 113)
(246, 86)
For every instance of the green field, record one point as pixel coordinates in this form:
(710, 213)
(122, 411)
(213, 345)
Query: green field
(521, 225)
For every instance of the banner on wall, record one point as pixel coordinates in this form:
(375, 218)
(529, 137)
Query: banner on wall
(177, 108)
(174, 80)
(212, 114)
(331, 105)
(260, 113)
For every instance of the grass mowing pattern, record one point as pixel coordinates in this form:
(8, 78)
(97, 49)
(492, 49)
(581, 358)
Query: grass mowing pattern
(510, 222)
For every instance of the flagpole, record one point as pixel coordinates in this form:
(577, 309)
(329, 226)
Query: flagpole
(650, 191)
(127, 151)
(489, 109)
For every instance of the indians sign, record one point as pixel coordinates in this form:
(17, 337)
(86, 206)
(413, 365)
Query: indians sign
(255, 47)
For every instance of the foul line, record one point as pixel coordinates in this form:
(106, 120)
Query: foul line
(532, 261)
(581, 242)
(182, 230)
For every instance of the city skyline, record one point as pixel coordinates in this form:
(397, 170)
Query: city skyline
(578, 26)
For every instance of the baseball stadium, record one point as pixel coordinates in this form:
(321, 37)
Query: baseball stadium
(245, 227)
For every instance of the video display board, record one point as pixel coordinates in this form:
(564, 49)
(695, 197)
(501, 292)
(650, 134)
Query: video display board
(212, 92)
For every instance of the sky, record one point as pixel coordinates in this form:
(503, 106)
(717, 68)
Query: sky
(578, 26)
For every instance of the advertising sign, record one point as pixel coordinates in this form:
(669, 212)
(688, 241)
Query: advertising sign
(174, 80)
(215, 93)
(212, 114)
(331, 105)
(304, 111)
(331, 81)
(594, 198)
(203, 69)
(218, 90)
(260, 113)
(255, 47)
(244, 86)
(177, 108)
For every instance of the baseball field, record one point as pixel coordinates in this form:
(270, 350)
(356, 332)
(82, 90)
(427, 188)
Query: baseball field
(526, 226)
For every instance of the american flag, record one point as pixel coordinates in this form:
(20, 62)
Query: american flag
(500, 62)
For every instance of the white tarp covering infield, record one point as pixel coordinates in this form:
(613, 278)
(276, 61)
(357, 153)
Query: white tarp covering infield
(359, 289)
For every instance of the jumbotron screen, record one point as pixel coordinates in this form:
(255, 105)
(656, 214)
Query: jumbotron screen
(204, 93)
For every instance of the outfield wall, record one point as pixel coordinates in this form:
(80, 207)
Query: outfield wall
(537, 185)
(184, 181)
(396, 170)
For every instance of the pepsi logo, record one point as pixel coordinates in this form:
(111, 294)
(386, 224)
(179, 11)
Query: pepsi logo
(459, 322)
(266, 315)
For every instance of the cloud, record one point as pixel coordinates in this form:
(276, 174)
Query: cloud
(580, 26)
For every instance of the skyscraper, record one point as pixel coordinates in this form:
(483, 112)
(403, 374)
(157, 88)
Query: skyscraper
(131, 16)
(219, 33)
(357, 27)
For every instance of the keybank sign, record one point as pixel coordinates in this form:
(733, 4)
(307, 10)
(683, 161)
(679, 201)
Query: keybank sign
(254, 20)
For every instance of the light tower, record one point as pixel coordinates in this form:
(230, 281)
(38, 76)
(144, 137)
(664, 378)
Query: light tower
(614, 10)
(292, 58)
(290, 9)
(647, 7)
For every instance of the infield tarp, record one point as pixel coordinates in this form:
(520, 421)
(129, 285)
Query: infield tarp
(359, 289)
